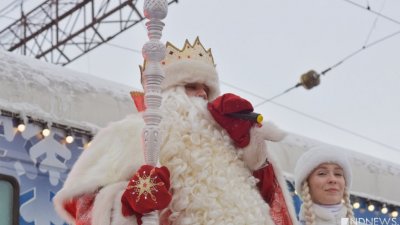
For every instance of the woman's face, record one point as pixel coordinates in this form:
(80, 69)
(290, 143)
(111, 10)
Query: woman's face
(327, 184)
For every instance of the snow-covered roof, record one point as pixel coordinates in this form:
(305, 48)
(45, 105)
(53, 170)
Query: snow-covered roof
(57, 94)
(372, 178)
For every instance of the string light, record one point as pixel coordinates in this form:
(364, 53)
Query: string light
(69, 138)
(394, 213)
(362, 204)
(17, 120)
(371, 207)
(88, 141)
(47, 127)
(46, 131)
(87, 145)
(21, 126)
(384, 209)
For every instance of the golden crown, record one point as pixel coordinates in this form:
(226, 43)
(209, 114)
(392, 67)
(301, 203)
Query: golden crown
(195, 51)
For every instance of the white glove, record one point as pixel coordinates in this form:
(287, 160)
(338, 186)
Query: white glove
(255, 153)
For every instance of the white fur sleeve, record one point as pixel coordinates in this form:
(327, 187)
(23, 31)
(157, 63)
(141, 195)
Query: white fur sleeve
(107, 206)
(255, 153)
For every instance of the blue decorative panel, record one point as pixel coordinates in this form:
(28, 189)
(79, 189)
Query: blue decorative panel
(41, 166)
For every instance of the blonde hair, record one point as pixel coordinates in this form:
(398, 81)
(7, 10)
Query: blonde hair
(308, 212)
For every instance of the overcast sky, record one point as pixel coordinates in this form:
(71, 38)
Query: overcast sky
(261, 47)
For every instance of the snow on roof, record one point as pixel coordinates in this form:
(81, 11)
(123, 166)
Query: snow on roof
(57, 94)
(373, 178)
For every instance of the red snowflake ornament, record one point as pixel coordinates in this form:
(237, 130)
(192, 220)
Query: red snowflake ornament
(147, 191)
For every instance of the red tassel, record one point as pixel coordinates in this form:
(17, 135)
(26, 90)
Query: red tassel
(138, 98)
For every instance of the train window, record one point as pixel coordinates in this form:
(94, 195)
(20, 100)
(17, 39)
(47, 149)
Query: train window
(9, 204)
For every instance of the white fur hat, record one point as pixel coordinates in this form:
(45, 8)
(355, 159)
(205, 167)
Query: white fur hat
(315, 157)
(192, 71)
(191, 64)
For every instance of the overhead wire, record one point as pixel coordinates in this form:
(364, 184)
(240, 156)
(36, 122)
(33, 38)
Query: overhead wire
(360, 50)
(4, 15)
(338, 63)
(352, 54)
(13, 4)
(374, 23)
(313, 118)
(368, 8)
(124, 48)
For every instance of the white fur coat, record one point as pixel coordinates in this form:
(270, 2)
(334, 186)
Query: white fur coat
(211, 180)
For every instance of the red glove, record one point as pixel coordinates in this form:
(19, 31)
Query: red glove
(238, 129)
(146, 191)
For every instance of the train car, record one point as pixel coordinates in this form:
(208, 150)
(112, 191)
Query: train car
(48, 116)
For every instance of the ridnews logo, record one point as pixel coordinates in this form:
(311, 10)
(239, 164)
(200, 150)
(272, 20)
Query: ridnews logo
(370, 221)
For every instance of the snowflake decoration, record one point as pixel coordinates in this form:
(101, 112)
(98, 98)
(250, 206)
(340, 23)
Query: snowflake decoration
(145, 185)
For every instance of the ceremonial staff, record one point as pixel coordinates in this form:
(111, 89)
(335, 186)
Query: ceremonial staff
(153, 52)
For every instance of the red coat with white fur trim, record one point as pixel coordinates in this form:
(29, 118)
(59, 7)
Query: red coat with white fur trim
(95, 172)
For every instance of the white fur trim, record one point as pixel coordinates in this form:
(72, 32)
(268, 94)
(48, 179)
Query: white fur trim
(113, 156)
(271, 132)
(192, 71)
(108, 205)
(316, 156)
(256, 153)
(117, 217)
(58, 203)
(324, 216)
(203, 150)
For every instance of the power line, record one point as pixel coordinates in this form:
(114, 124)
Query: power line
(361, 49)
(316, 75)
(7, 17)
(13, 3)
(372, 11)
(124, 48)
(110, 44)
(374, 23)
(265, 100)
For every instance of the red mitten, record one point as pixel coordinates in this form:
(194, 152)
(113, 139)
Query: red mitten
(238, 129)
(146, 191)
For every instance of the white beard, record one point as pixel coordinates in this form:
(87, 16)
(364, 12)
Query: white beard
(209, 181)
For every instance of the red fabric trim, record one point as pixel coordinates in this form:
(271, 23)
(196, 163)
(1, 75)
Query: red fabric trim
(272, 193)
(70, 207)
(81, 208)
(138, 98)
